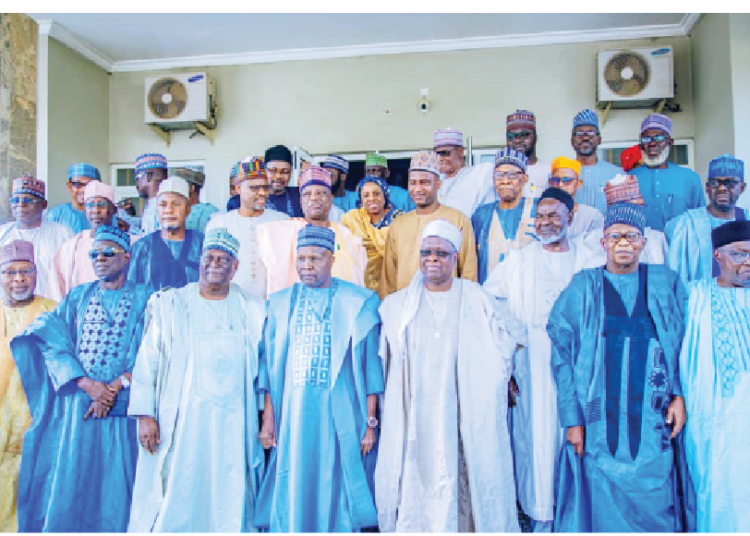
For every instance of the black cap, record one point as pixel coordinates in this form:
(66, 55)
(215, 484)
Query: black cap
(734, 231)
(560, 195)
(279, 153)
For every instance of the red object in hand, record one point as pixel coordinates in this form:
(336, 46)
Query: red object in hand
(631, 158)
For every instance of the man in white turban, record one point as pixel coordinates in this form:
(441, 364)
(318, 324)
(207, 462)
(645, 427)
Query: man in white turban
(448, 357)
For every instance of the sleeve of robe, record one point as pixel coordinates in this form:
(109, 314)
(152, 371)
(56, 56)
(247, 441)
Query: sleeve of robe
(468, 267)
(146, 369)
(389, 271)
(678, 255)
(561, 331)
(682, 303)
(138, 259)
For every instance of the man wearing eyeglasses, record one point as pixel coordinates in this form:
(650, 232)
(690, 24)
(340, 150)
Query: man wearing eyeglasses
(282, 197)
(616, 333)
(445, 461)
(690, 249)
(595, 173)
(71, 265)
(508, 224)
(668, 190)
(169, 256)
(27, 203)
(566, 176)
(714, 380)
(253, 184)
(18, 308)
(520, 134)
(72, 214)
(462, 187)
(193, 393)
(79, 455)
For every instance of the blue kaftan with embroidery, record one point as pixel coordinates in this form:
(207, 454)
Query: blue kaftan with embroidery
(320, 362)
(616, 374)
(65, 214)
(714, 366)
(76, 475)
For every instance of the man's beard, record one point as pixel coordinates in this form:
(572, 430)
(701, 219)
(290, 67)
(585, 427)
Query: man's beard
(556, 238)
(586, 152)
(658, 160)
(171, 228)
(530, 151)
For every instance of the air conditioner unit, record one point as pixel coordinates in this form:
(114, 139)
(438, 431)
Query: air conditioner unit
(177, 101)
(634, 78)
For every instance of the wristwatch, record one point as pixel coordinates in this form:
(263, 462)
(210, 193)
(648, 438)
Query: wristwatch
(372, 422)
(124, 381)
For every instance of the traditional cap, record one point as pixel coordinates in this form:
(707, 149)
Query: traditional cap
(174, 185)
(150, 161)
(315, 175)
(559, 195)
(726, 166)
(99, 189)
(562, 162)
(425, 161)
(312, 235)
(84, 170)
(113, 234)
(254, 169)
(586, 117)
(26, 184)
(443, 229)
(660, 121)
(221, 238)
(448, 137)
(190, 175)
(623, 188)
(734, 231)
(17, 251)
(375, 159)
(521, 118)
(236, 168)
(383, 186)
(627, 213)
(278, 153)
(630, 157)
(334, 161)
(511, 156)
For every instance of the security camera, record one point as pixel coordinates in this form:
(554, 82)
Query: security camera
(424, 105)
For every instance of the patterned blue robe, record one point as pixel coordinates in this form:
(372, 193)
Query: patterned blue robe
(199, 216)
(76, 475)
(152, 262)
(628, 479)
(319, 364)
(65, 214)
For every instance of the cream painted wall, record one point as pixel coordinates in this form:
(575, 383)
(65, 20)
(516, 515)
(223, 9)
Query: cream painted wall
(78, 117)
(339, 105)
(740, 39)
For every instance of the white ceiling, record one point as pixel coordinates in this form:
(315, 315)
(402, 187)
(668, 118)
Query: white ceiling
(145, 41)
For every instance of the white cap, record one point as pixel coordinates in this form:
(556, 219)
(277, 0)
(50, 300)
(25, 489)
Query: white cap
(445, 230)
(175, 185)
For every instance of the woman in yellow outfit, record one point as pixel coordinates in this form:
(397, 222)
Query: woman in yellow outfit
(370, 221)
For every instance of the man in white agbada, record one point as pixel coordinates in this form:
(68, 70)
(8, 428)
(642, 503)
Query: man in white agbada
(529, 280)
(463, 187)
(446, 462)
(251, 181)
(193, 392)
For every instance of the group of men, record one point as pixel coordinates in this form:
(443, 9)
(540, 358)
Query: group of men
(566, 338)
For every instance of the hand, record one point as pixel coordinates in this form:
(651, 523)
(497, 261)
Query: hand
(513, 392)
(98, 410)
(116, 385)
(98, 391)
(267, 434)
(676, 414)
(369, 441)
(577, 438)
(148, 434)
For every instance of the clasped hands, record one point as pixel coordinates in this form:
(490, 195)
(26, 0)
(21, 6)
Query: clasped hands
(102, 395)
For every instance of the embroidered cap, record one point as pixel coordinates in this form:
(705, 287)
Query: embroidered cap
(312, 235)
(511, 156)
(26, 184)
(84, 170)
(174, 185)
(334, 161)
(726, 166)
(586, 117)
(190, 175)
(315, 175)
(425, 161)
(255, 168)
(521, 118)
(626, 213)
(657, 121)
(448, 137)
(220, 238)
(150, 161)
(562, 162)
(623, 188)
(375, 159)
(17, 251)
(113, 234)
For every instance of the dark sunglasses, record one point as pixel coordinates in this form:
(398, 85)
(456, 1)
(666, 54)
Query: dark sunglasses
(108, 252)
(24, 200)
(556, 181)
(584, 133)
(522, 135)
(438, 253)
(445, 152)
(729, 184)
(659, 138)
(77, 184)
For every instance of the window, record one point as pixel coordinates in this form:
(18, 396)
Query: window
(124, 180)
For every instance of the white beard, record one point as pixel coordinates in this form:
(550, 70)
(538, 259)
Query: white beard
(556, 238)
(657, 161)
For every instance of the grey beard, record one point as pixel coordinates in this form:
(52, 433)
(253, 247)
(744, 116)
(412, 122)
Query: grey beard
(172, 228)
(556, 238)
(657, 161)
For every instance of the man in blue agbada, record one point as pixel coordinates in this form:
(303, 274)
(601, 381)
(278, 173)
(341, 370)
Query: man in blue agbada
(616, 333)
(321, 375)
(169, 256)
(72, 214)
(714, 362)
(691, 253)
(79, 455)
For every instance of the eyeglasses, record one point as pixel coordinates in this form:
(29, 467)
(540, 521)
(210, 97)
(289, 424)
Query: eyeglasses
(223, 262)
(77, 184)
(510, 175)
(739, 257)
(585, 133)
(24, 200)
(259, 188)
(521, 135)
(631, 237)
(659, 138)
(10, 274)
(96, 204)
(108, 252)
(555, 181)
(729, 184)
(440, 254)
(445, 152)
(277, 171)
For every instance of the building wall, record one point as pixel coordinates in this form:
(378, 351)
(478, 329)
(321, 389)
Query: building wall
(358, 104)
(740, 40)
(78, 117)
